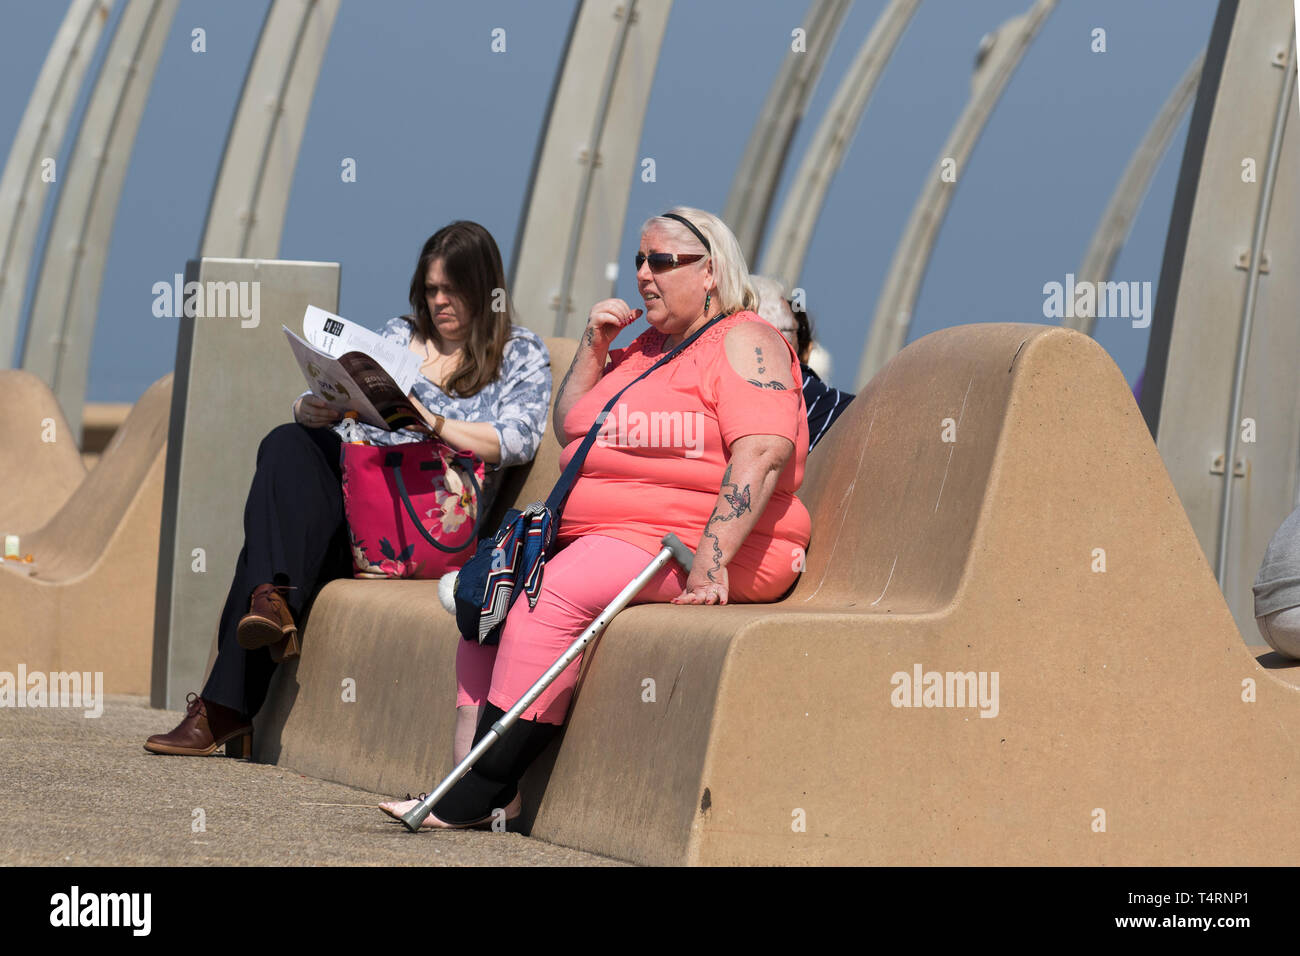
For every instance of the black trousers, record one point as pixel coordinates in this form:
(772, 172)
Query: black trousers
(295, 533)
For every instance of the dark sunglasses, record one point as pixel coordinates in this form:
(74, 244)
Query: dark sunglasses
(663, 261)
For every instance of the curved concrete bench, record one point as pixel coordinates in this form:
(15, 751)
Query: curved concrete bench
(90, 605)
(38, 475)
(1042, 544)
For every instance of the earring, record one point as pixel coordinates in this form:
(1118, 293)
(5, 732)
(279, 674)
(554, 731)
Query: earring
(707, 297)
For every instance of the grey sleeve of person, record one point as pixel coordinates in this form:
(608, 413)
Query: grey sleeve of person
(1277, 585)
(525, 398)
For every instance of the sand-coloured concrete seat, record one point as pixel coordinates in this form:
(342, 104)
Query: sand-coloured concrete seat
(90, 605)
(40, 465)
(990, 515)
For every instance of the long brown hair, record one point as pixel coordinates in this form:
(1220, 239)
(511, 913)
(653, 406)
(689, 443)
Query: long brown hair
(472, 263)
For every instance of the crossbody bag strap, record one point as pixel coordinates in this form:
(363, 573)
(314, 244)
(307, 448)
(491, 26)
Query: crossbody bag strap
(555, 501)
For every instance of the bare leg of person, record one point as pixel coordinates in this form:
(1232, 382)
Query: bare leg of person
(466, 721)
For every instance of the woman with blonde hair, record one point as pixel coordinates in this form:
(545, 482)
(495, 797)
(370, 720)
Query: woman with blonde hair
(711, 447)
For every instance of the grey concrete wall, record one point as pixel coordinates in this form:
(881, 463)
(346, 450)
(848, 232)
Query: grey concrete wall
(236, 379)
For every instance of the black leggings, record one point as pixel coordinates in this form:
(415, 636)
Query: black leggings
(494, 780)
(295, 533)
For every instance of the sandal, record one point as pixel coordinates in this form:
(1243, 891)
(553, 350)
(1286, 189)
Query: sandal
(396, 808)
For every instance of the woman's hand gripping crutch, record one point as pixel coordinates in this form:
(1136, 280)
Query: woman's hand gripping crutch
(673, 550)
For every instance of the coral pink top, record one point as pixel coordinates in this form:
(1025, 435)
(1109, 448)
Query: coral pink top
(657, 465)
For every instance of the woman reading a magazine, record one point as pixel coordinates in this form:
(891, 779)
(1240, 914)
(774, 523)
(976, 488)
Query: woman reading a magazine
(485, 388)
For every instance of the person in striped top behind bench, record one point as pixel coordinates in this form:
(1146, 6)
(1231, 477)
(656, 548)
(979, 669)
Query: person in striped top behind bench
(824, 403)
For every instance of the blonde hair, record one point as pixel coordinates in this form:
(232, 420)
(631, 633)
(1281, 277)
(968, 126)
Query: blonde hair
(730, 272)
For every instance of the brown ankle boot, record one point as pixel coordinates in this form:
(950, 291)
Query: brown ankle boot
(205, 728)
(269, 623)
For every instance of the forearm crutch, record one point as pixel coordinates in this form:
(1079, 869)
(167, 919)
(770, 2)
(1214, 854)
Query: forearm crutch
(673, 550)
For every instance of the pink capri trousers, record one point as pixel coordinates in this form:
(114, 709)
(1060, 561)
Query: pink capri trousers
(577, 584)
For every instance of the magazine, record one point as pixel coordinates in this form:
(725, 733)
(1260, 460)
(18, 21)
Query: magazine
(354, 369)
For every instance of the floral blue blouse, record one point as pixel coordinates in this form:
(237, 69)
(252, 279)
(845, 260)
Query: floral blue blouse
(515, 404)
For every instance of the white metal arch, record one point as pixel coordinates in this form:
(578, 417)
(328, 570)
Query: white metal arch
(755, 180)
(787, 246)
(64, 308)
(578, 197)
(40, 135)
(893, 316)
(246, 212)
(1117, 219)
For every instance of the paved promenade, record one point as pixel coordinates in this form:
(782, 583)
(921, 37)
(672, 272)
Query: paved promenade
(83, 792)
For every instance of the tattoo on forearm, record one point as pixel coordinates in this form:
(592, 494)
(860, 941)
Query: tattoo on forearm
(737, 497)
(588, 338)
(715, 552)
(565, 383)
(739, 500)
(774, 386)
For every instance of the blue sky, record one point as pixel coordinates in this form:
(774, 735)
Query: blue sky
(442, 129)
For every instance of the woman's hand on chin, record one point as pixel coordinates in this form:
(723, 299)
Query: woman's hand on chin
(608, 318)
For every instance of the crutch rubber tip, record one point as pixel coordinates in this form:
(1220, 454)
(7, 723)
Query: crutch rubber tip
(413, 817)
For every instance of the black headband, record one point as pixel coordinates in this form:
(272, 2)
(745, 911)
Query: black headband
(687, 223)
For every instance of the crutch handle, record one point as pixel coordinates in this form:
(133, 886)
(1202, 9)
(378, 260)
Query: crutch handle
(681, 554)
